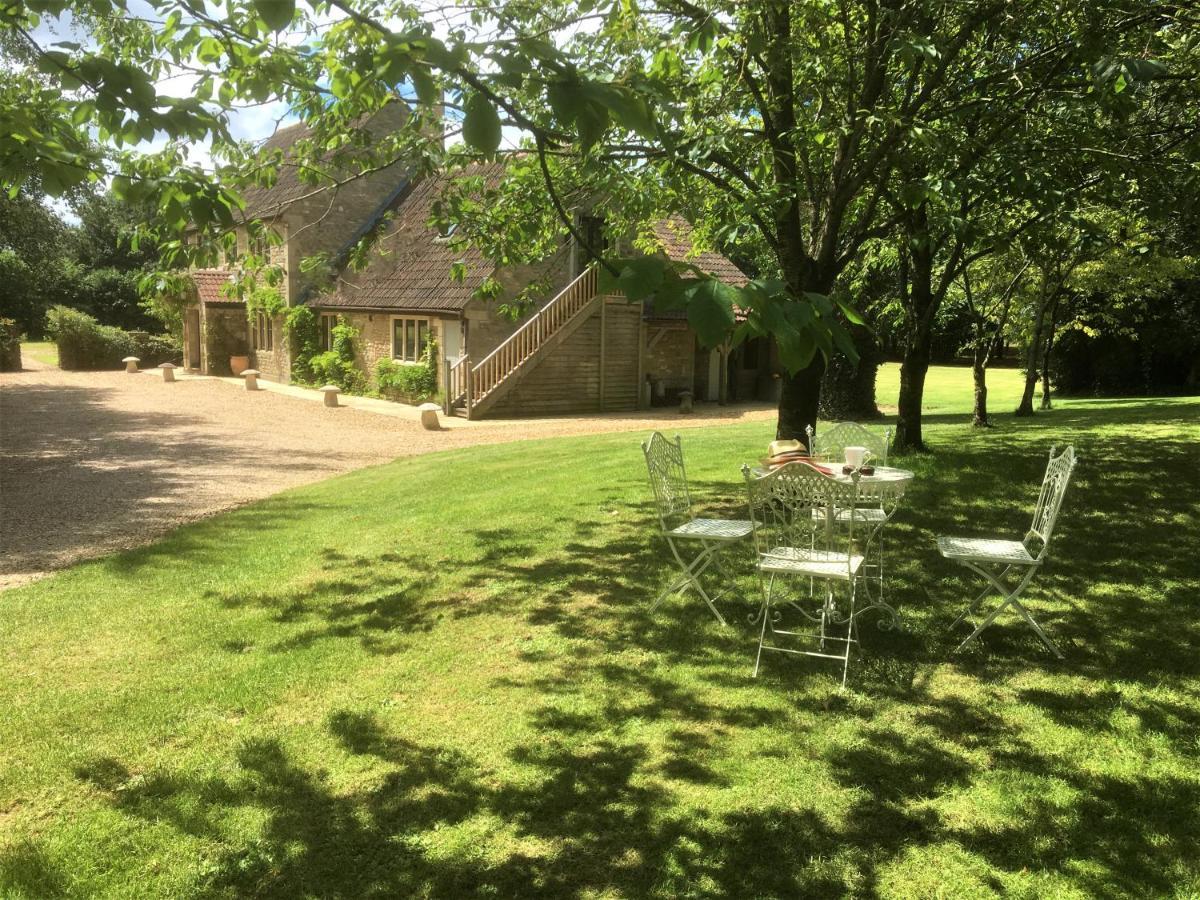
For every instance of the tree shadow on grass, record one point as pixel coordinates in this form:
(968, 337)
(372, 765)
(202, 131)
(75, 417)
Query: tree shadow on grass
(637, 715)
(589, 820)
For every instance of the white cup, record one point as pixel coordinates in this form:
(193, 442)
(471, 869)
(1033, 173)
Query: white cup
(857, 456)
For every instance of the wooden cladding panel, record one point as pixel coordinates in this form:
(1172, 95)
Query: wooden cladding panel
(568, 379)
(623, 321)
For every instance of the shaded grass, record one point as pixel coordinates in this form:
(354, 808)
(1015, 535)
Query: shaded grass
(438, 677)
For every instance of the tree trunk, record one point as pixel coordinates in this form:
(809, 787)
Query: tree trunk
(915, 363)
(1025, 407)
(979, 375)
(799, 400)
(848, 389)
(913, 370)
(1046, 404)
(1046, 359)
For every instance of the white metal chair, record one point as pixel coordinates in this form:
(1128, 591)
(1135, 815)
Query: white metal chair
(830, 444)
(832, 441)
(999, 561)
(668, 480)
(792, 508)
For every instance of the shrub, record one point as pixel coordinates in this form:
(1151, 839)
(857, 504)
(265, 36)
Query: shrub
(302, 328)
(336, 366)
(83, 343)
(408, 382)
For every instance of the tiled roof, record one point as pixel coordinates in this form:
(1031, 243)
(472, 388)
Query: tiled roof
(264, 202)
(209, 283)
(410, 269)
(675, 235)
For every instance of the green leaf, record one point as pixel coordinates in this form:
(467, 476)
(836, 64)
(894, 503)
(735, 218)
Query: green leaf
(592, 120)
(563, 99)
(796, 350)
(841, 338)
(277, 14)
(673, 293)
(641, 277)
(425, 87)
(630, 110)
(481, 124)
(852, 315)
(710, 310)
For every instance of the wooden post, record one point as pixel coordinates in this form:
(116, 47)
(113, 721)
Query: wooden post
(641, 359)
(723, 377)
(467, 379)
(603, 346)
(446, 399)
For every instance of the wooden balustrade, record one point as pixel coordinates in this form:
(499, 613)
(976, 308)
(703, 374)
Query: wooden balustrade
(479, 380)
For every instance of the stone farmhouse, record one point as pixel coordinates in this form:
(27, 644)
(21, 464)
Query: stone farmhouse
(579, 351)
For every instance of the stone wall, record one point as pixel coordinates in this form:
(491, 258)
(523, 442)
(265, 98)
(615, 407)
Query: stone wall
(225, 333)
(329, 221)
(274, 364)
(374, 341)
(486, 327)
(671, 357)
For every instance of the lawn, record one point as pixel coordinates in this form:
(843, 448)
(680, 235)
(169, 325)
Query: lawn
(45, 352)
(950, 389)
(439, 677)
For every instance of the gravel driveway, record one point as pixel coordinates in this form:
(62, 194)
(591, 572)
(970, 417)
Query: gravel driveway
(92, 462)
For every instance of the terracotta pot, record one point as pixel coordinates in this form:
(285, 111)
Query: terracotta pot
(239, 364)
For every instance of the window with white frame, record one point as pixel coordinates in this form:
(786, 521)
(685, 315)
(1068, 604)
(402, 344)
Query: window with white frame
(409, 338)
(328, 320)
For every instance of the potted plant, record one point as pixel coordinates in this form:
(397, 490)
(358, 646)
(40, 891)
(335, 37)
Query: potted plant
(239, 360)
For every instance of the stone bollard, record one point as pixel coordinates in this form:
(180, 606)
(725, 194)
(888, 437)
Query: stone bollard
(331, 392)
(168, 372)
(429, 416)
(251, 376)
(131, 363)
(685, 402)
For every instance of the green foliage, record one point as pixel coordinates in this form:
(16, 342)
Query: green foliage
(792, 132)
(83, 343)
(336, 365)
(92, 266)
(302, 326)
(266, 298)
(409, 382)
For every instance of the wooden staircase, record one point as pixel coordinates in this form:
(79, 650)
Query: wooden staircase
(475, 388)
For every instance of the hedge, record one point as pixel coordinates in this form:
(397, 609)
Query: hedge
(83, 343)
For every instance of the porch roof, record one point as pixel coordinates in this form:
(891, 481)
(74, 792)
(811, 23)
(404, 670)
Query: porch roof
(209, 283)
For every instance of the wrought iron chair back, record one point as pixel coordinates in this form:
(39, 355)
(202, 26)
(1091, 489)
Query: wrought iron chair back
(782, 504)
(832, 441)
(1045, 514)
(668, 479)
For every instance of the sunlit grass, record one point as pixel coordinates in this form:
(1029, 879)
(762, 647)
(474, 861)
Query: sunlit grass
(439, 677)
(45, 352)
(950, 389)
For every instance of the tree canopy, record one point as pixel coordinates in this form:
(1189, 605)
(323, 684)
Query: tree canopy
(801, 130)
